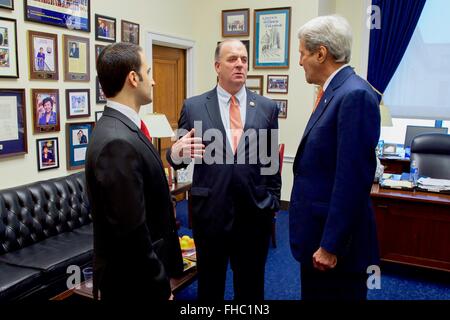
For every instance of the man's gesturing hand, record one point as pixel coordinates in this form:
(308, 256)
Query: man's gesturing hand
(188, 147)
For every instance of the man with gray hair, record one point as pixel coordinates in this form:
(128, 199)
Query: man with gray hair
(332, 225)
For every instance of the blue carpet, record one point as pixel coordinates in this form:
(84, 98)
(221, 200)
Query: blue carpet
(283, 273)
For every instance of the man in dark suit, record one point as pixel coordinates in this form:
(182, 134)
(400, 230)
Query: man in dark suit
(136, 246)
(233, 199)
(332, 226)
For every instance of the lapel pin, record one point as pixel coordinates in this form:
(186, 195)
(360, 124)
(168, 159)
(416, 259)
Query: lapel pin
(252, 104)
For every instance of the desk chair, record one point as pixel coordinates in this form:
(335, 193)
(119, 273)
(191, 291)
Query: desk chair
(281, 155)
(431, 151)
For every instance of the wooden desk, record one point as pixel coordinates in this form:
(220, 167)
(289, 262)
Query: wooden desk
(395, 165)
(413, 227)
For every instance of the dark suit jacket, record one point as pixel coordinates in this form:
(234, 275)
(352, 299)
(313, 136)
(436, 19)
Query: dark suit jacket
(333, 173)
(217, 187)
(135, 242)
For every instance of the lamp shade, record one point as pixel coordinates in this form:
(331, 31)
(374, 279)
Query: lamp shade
(158, 125)
(386, 119)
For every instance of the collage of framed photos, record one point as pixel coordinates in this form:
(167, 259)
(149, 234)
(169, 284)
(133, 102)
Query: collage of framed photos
(45, 61)
(270, 49)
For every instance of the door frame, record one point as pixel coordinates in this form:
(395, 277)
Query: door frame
(152, 38)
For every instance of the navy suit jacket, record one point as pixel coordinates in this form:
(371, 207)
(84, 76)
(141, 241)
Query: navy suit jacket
(219, 191)
(334, 169)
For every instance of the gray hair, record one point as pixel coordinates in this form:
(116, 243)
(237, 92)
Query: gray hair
(333, 32)
(220, 45)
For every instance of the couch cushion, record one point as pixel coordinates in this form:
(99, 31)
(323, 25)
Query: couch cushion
(16, 281)
(86, 229)
(55, 254)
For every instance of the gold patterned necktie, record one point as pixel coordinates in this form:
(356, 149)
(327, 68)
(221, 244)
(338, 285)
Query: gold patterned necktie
(235, 123)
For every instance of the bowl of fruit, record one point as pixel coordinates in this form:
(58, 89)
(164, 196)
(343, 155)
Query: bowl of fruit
(186, 243)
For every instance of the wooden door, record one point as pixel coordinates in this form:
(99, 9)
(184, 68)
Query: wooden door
(169, 92)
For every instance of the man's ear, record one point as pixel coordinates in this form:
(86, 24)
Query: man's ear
(216, 66)
(133, 79)
(322, 53)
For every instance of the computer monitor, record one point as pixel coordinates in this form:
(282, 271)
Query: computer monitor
(412, 131)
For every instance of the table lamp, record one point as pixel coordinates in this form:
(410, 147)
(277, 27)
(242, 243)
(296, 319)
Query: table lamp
(158, 127)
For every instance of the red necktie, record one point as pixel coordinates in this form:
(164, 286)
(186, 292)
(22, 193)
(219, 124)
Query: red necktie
(319, 96)
(235, 123)
(145, 131)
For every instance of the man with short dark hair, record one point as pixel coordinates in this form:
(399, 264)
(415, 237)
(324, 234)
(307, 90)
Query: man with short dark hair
(136, 245)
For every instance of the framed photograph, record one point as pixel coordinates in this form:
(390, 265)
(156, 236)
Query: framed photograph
(235, 22)
(271, 38)
(99, 95)
(45, 106)
(9, 64)
(282, 105)
(43, 55)
(98, 49)
(277, 83)
(98, 115)
(13, 124)
(7, 4)
(105, 28)
(78, 136)
(47, 153)
(255, 84)
(69, 14)
(256, 90)
(78, 103)
(130, 32)
(76, 59)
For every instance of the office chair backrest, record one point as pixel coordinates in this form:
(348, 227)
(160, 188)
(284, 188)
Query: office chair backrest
(432, 154)
(412, 131)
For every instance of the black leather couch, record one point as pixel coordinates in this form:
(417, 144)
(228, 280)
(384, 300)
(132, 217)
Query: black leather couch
(45, 227)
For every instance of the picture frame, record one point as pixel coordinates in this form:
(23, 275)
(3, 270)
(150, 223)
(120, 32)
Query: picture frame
(105, 28)
(255, 84)
(43, 55)
(129, 32)
(46, 111)
(76, 58)
(13, 125)
(47, 151)
(78, 136)
(277, 83)
(9, 63)
(78, 103)
(235, 23)
(98, 48)
(282, 105)
(98, 115)
(7, 4)
(256, 90)
(271, 42)
(99, 95)
(72, 15)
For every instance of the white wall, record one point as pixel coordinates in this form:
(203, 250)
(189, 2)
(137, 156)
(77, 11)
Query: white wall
(170, 17)
(198, 20)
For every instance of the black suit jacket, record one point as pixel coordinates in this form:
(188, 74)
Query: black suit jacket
(220, 191)
(136, 245)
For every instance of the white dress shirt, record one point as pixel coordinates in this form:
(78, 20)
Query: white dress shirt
(126, 111)
(224, 106)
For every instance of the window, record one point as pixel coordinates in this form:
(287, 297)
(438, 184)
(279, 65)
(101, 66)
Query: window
(420, 86)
